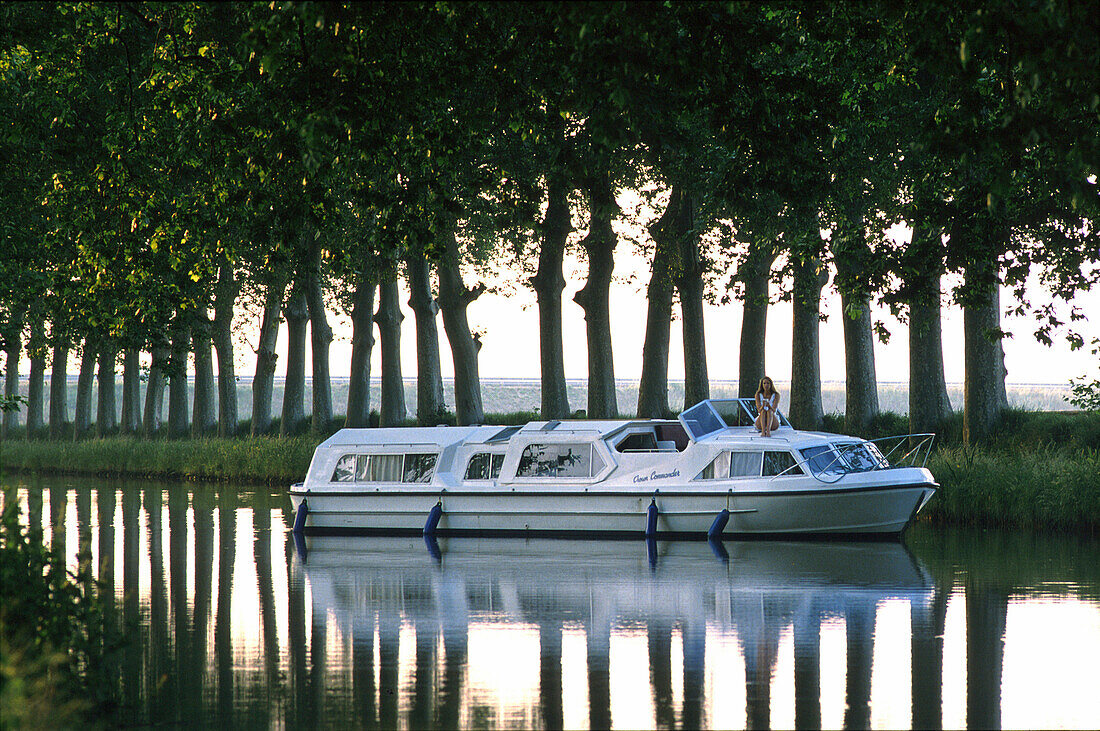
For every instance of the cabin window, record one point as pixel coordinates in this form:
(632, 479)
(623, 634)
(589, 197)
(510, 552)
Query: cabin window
(745, 464)
(781, 463)
(644, 442)
(484, 466)
(418, 467)
(718, 469)
(384, 468)
(345, 469)
(559, 460)
(822, 459)
(859, 457)
(732, 464)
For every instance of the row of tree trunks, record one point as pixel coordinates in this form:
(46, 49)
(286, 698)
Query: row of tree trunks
(388, 318)
(454, 298)
(430, 405)
(549, 283)
(599, 247)
(362, 343)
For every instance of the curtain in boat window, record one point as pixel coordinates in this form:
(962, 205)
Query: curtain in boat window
(745, 464)
(385, 468)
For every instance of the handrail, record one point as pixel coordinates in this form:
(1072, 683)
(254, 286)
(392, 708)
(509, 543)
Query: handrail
(918, 452)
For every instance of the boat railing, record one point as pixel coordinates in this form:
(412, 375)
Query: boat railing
(883, 453)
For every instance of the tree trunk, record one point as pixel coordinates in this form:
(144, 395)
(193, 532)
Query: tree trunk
(178, 424)
(13, 346)
(263, 381)
(131, 392)
(599, 246)
(225, 296)
(853, 257)
(430, 405)
(294, 386)
(983, 386)
(653, 385)
(389, 319)
(549, 283)
(154, 391)
(861, 383)
(454, 298)
(82, 419)
(36, 387)
(755, 275)
(929, 404)
(689, 284)
(105, 421)
(362, 342)
(805, 410)
(204, 415)
(59, 390)
(320, 340)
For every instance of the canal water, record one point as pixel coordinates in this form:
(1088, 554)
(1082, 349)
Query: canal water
(232, 622)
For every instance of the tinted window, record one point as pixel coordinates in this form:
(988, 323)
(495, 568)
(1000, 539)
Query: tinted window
(555, 460)
(638, 443)
(858, 457)
(700, 420)
(418, 467)
(484, 466)
(822, 459)
(345, 469)
(780, 463)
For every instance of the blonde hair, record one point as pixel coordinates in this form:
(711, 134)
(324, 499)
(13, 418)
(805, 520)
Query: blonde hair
(760, 388)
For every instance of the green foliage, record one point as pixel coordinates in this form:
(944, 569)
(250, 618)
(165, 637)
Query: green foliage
(1047, 488)
(54, 645)
(263, 460)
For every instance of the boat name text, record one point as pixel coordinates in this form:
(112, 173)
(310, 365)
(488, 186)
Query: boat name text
(656, 476)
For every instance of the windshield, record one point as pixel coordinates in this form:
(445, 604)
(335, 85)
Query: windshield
(823, 459)
(712, 415)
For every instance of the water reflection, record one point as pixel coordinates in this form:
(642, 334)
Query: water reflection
(229, 623)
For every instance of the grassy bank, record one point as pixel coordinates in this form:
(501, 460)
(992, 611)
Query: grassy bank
(263, 460)
(1041, 469)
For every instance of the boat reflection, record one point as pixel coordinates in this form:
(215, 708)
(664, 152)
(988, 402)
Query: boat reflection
(680, 604)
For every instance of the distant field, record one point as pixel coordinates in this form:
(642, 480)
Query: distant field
(512, 395)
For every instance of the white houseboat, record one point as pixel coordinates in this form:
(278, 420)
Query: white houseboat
(708, 473)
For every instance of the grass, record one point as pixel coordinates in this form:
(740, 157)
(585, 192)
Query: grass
(1039, 469)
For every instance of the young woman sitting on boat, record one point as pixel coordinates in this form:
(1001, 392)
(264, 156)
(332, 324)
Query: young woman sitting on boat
(767, 404)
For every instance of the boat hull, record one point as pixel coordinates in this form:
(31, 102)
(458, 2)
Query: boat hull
(816, 509)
